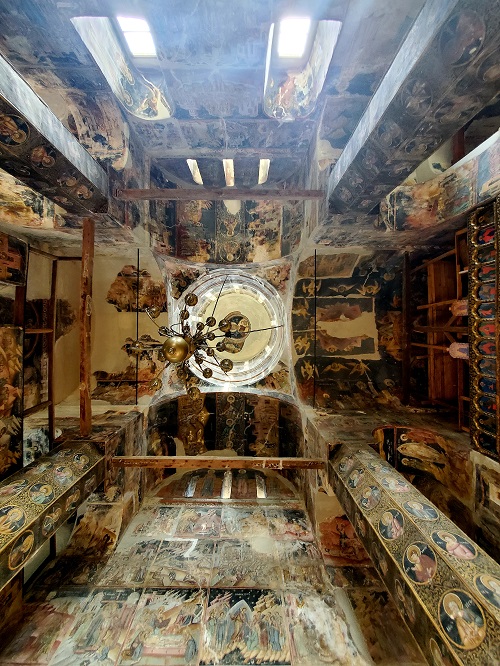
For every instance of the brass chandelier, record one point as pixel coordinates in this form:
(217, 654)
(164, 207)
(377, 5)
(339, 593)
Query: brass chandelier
(184, 342)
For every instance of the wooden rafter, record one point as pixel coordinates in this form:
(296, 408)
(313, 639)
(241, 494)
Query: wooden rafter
(218, 462)
(216, 194)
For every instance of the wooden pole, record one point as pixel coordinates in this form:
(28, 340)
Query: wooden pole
(406, 336)
(216, 194)
(85, 325)
(218, 462)
(51, 341)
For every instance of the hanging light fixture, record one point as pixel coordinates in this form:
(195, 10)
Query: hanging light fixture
(185, 342)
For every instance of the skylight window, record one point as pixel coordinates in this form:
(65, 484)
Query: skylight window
(229, 172)
(292, 36)
(195, 171)
(138, 36)
(264, 165)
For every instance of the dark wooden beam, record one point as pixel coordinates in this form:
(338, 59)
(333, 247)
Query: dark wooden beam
(216, 194)
(85, 325)
(51, 342)
(217, 462)
(36, 408)
(39, 128)
(406, 119)
(440, 329)
(406, 359)
(212, 172)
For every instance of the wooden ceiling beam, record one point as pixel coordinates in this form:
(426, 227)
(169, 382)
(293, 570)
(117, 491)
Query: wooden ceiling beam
(217, 462)
(41, 152)
(216, 194)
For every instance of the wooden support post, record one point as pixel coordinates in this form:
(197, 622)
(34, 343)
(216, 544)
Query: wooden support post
(216, 194)
(85, 325)
(218, 462)
(406, 337)
(51, 340)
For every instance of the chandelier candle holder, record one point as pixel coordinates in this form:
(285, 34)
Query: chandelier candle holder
(186, 342)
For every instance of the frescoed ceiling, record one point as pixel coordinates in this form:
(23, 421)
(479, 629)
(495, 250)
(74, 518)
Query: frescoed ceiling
(349, 122)
(401, 81)
(211, 60)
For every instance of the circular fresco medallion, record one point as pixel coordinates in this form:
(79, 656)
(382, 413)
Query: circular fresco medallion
(41, 493)
(14, 488)
(439, 652)
(89, 485)
(12, 518)
(81, 460)
(391, 524)
(405, 602)
(378, 467)
(489, 588)
(419, 563)
(489, 69)
(355, 477)
(370, 497)
(72, 501)
(462, 620)
(43, 156)
(346, 464)
(421, 510)
(395, 485)
(39, 469)
(13, 130)
(21, 550)
(454, 544)
(50, 521)
(65, 453)
(63, 475)
(461, 38)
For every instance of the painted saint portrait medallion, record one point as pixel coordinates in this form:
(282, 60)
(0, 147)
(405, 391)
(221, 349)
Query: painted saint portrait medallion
(43, 156)
(346, 464)
(489, 587)
(41, 493)
(370, 497)
(21, 550)
(454, 544)
(39, 469)
(419, 563)
(421, 510)
(405, 602)
(64, 453)
(81, 460)
(391, 524)
(439, 652)
(89, 484)
(395, 485)
(63, 475)
(50, 521)
(13, 130)
(462, 620)
(72, 501)
(12, 518)
(355, 477)
(378, 467)
(12, 489)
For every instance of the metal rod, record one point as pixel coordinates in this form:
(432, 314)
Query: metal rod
(257, 330)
